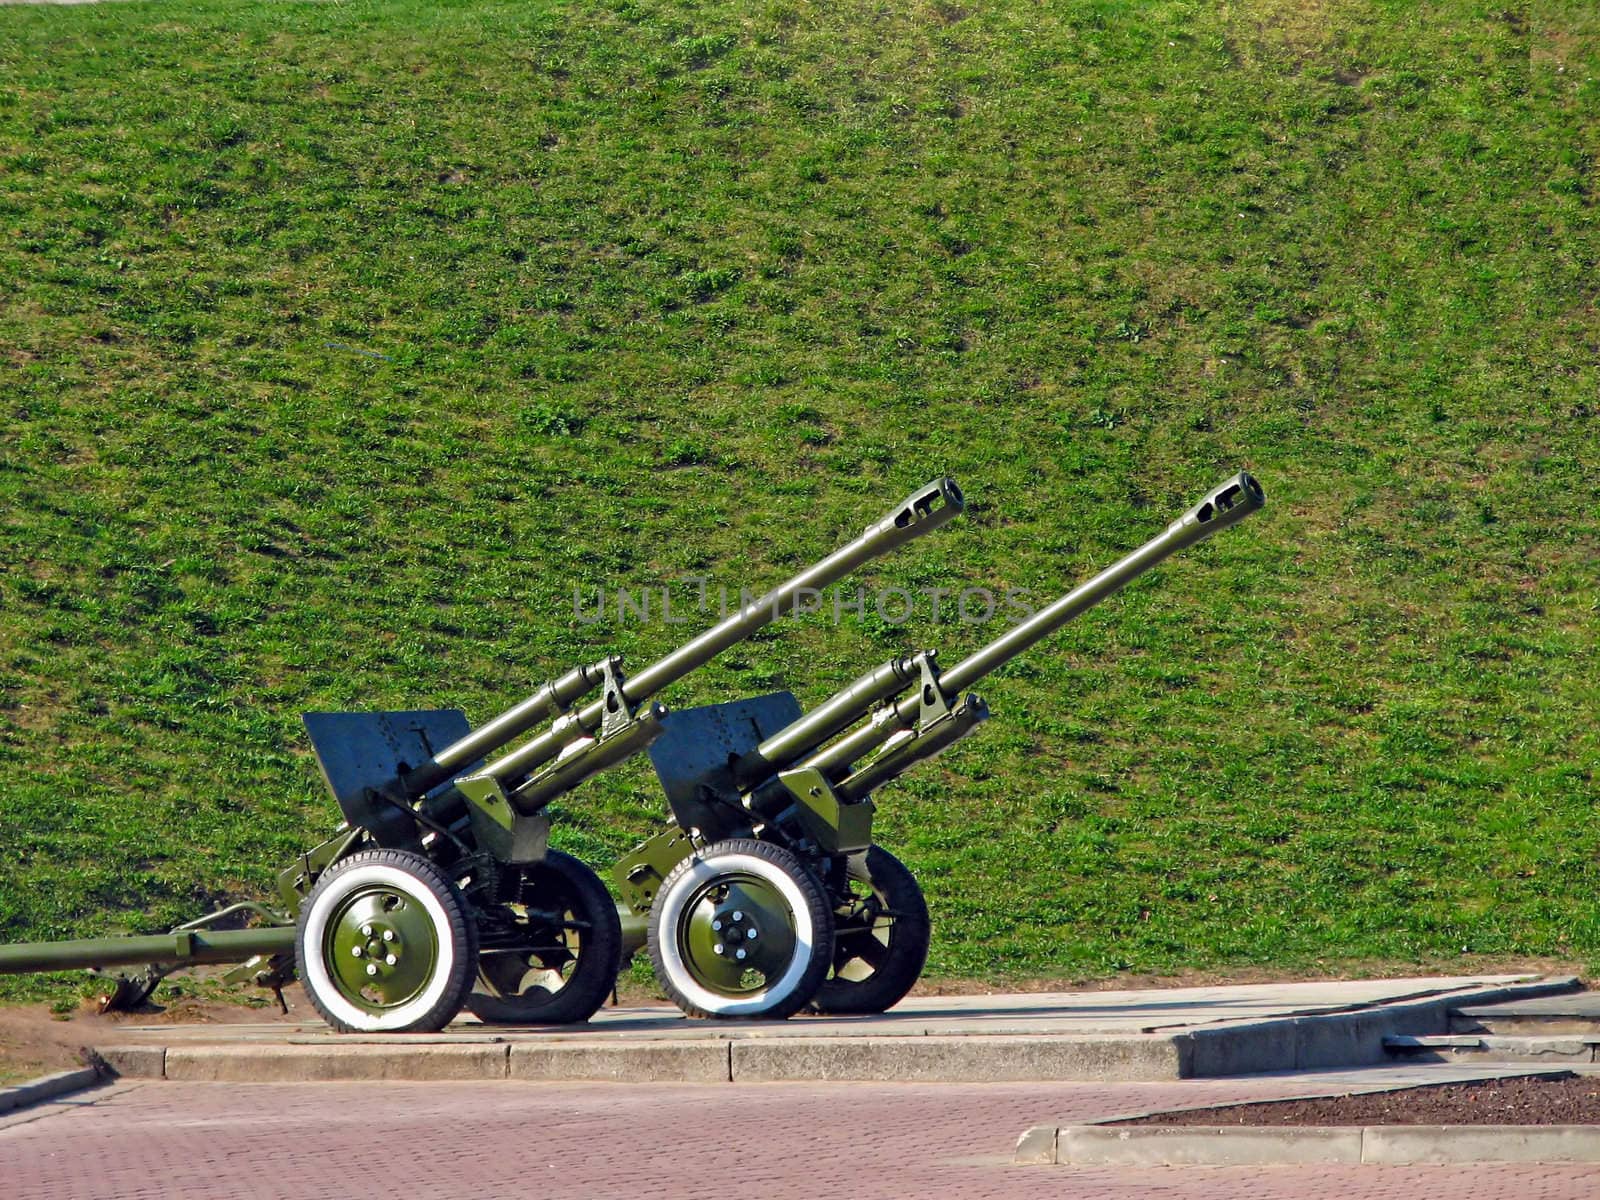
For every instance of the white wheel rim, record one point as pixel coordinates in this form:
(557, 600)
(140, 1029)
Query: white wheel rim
(671, 907)
(321, 984)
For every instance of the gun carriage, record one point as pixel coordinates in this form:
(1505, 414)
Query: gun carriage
(766, 893)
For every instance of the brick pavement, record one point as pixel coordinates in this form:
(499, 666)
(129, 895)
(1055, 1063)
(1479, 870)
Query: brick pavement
(666, 1141)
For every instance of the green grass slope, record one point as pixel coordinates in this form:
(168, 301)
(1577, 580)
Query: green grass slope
(339, 343)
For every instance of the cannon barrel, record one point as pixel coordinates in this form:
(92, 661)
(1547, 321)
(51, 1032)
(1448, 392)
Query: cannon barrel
(1225, 505)
(839, 711)
(551, 698)
(925, 510)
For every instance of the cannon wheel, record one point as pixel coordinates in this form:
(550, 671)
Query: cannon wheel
(880, 939)
(386, 944)
(569, 943)
(741, 929)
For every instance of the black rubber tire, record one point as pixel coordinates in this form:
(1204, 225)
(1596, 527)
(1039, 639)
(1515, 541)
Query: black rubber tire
(696, 879)
(904, 941)
(561, 882)
(436, 895)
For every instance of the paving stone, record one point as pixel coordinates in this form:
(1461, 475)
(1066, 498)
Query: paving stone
(604, 1141)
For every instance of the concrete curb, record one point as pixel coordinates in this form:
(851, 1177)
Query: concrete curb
(1234, 1146)
(957, 1059)
(47, 1087)
(308, 1064)
(1494, 1047)
(622, 1062)
(1342, 1038)
(996, 1059)
(139, 1062)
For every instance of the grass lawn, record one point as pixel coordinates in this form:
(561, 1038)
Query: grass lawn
(340, 343)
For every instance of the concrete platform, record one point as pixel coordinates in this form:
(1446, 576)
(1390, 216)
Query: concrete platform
(1150, 1035)
(1568, 1013)
(1560, 1028)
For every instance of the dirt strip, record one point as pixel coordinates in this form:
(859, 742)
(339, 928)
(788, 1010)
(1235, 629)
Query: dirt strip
(1564, 1099)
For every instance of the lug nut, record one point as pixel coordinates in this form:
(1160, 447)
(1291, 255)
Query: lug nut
(750, 934)
(388, 935)
(741, 954)
(372, 968)
(356, 950)
(717, 948)
(366, 931)
(716, 924)
(737, 915)
(391, 960)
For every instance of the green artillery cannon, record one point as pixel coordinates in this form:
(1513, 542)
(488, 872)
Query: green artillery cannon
(439, 889)
(766, 893)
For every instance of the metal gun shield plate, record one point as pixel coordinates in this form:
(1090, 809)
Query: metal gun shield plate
(694, 756)
(361, 752)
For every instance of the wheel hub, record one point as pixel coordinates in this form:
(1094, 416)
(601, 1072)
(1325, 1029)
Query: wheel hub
(738, 934)
(382, 947)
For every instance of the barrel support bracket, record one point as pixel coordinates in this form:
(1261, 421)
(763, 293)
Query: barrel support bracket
(930, 693)
(618, 713)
